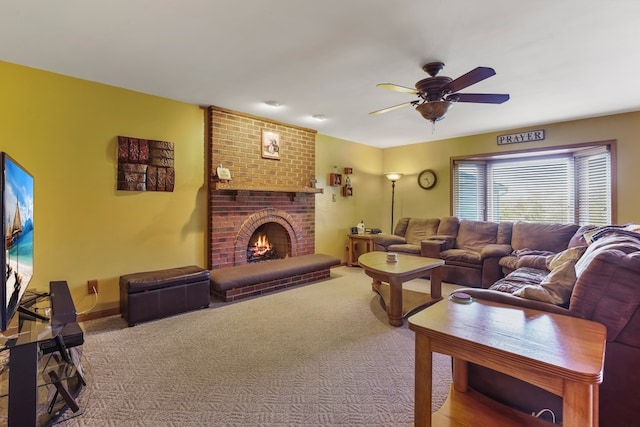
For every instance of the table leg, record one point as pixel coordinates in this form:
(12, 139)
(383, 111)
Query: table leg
(436, 282)
(460, 375)
(579, 404)
(394, 310)
(350, 261)
(23, 385)
(423, 381)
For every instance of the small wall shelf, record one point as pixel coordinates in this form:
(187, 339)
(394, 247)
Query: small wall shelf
(335, 179)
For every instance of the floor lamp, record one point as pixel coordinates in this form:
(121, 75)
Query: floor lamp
(393, 177)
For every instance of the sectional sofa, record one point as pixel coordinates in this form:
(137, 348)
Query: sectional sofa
(582, 271)
(477, 253)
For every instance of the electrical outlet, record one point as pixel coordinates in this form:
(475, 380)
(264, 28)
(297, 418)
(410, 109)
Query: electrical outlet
(92, 286)
(333, 197)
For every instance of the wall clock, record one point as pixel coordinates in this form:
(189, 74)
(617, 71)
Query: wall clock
(427, 179)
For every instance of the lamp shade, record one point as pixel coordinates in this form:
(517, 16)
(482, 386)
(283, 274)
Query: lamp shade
(393, 176)
(434, 110)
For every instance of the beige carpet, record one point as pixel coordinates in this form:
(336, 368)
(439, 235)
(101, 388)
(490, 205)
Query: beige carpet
(317, 355)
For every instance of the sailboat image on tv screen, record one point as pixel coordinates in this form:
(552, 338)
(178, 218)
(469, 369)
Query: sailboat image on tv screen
(12, 240)
(14, 229)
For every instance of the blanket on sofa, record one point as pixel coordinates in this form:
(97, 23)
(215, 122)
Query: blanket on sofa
(543, 276)
(602, 287)
(555, 287)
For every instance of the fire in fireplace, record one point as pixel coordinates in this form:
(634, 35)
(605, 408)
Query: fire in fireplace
(261, 250)
(269, 241)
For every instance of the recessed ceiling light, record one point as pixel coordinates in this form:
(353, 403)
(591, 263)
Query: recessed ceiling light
(319, 117)
(273, 103)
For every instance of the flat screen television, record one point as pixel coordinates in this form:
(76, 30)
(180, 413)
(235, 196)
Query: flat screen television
(17, 250)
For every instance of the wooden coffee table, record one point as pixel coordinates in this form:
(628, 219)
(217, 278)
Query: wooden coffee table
(561, 354)
(400, 302)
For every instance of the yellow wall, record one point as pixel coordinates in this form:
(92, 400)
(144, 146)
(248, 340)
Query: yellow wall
(64, 132)
(334, 219)
(411, 200)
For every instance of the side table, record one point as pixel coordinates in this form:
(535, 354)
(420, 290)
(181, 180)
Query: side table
(355, 240)
(561, 354)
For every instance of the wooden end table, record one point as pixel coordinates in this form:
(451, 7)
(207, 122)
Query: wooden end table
(354, 241)
(561, 354)
(399, 302)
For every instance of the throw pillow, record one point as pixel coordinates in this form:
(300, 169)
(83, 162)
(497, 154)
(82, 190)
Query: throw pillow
(557, 286)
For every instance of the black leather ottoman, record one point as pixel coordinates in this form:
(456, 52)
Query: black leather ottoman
(155, 294)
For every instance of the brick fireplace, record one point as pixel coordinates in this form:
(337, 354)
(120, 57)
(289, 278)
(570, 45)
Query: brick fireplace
(262, 190)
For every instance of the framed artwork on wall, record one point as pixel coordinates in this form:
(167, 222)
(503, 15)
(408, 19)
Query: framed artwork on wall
(271, 145)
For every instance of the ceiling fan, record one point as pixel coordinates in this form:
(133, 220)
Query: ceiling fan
(437, 93)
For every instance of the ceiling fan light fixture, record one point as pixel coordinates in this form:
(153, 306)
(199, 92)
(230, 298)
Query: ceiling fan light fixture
(436, 93)
(433, 110)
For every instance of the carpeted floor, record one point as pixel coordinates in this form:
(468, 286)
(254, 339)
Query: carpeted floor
(317, 355)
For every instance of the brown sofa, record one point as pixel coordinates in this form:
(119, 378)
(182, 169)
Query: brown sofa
(606, 289)
(476, 253)
(553, 268)
(410, 232)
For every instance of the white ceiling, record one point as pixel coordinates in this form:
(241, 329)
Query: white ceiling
(558, 59)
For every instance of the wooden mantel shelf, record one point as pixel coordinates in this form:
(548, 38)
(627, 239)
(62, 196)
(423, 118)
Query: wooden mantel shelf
(274, 188)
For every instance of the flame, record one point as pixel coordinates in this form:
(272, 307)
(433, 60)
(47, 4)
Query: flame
(261, 246)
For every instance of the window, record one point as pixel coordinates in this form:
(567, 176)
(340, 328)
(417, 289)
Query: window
(564, 185)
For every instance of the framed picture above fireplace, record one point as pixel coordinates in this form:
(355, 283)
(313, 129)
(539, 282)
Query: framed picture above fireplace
(271, 145)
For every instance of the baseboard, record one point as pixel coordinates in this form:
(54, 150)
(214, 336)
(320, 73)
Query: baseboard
(98, 314)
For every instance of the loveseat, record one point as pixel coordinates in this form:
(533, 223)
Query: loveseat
(599, 282)
(476, 253)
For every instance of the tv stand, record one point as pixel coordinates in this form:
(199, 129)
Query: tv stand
(30, 299)
(31, 314)
(29, 341)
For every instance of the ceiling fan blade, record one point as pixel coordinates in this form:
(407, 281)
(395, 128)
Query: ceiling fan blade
(395, 107)
(485, 98)
(472, 77)
(396, 88)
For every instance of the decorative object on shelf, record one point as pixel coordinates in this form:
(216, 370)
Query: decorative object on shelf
(360, 227)
(393, 177)
(271, 144)
(312, 181)
(427, 179)
(145, 165)
(347, 190)
(223, 174)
